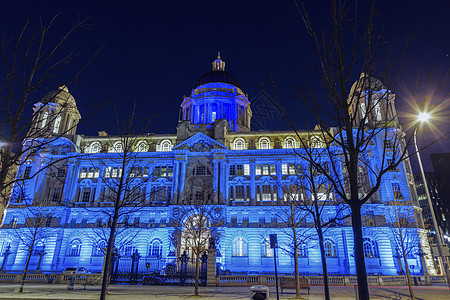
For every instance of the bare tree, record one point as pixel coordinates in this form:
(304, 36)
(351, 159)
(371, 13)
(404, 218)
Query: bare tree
(199, 230)
(30, 64)
(123, 191)
(35, 233)
(406, 235)
(357, 127)
(310, 195)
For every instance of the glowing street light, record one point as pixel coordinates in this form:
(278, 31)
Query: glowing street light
(424, 117)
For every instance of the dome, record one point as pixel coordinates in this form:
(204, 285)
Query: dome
(218, 76)
(61, 95)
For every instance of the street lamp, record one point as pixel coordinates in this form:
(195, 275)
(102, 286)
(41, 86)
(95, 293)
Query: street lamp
(424, 117)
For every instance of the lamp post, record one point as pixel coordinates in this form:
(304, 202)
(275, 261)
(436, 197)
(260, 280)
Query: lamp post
(424, 117)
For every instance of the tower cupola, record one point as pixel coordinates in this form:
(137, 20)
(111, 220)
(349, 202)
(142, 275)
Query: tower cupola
(217, 95)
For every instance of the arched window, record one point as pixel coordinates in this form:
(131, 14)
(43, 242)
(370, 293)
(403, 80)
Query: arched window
(75, 247)
(264, 143)
(201, 171)
(289, 143)
(155, 249)
(95, 147)
(166, 146)
(141, 147)
(39, 248)
(99, 249)
(118, 147)
(266, 251)
(239, 144)
(330, 248)
(317, 142)
(239, 247)
(370, 248)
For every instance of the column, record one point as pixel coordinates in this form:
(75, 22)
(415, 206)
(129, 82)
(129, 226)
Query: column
(278, 186)
(252, 183)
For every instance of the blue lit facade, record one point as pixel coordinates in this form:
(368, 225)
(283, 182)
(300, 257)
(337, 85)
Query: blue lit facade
(241, 171)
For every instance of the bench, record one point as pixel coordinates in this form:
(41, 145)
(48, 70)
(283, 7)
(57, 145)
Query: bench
(289, 283)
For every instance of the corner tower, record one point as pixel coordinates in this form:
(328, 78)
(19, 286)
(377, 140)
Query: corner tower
(217, 95)
(55, 114)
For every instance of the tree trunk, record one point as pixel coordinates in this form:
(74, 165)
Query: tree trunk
(108, 260)
(296, 245)
(408, 277)
(297, 277)
(24, 274)
(197, 273)
(363, 287)
(326, 287)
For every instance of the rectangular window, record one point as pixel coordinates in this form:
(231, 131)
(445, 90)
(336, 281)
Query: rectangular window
(170, 171)
(265, 169)
(90, 174)
(284, 169)
(389, 163)
(146, 172)
(86, 195)
(83, 173)
(387, 144)
(61, 173)
(56, 194)
(273, 169)
(240, 170)
(266, 193)
(232, 170)
(291, 169)
(114, 172)
(258, 170)
(107, 172)
(246, 169)
(239, 193)
(27, 172)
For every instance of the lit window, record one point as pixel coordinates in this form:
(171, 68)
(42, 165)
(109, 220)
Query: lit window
(266, 193)
(330, 248)
(265, 169)
(264, 143)
(289, 143)
(107, 172)
(118, 147)
(266, 251)
(44, 119)
(239, 144)
(370, 248)
(316, 142)
(155, 249)
(57, 124)
(95, 147)
(258, 170)
(83, 173)
(166, 146)
(246, 169)
(142, 147)
(75, 248)
(98, 250)
(239, 247)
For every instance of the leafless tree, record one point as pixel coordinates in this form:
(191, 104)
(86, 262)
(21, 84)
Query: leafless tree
(406, 236)
(123, 191)
(310, 195)
(30, 64)
(34, 233)
(197, 230)
(353, 123)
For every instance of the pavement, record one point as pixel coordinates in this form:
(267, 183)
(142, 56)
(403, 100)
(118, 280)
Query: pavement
(127, 292)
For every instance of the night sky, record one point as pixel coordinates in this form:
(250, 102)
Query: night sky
(153, 52)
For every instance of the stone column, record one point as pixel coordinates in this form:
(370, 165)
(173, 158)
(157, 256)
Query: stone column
(252, 183)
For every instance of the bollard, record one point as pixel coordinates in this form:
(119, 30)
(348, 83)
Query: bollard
(70, 283)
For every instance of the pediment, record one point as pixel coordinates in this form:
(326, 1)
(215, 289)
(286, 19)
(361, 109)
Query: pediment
(199, 142)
